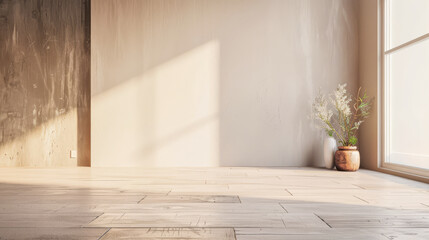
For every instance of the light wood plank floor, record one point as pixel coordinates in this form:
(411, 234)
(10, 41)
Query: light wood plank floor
(210, 203)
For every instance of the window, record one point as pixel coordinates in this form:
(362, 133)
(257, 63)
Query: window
(405, 85)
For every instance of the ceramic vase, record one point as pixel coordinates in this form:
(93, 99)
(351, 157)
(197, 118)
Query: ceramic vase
(347, 158)
(329, 148)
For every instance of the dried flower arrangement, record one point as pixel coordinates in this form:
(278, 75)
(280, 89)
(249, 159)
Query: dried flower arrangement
(336, 116)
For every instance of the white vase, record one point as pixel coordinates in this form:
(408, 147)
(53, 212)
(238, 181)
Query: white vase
(329, 148)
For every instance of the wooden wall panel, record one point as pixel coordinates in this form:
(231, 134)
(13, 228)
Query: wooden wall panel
(44, 82)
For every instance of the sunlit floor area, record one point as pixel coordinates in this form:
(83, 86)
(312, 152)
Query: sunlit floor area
(210, 203)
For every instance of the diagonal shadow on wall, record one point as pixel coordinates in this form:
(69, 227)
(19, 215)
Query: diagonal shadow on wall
(154, 63)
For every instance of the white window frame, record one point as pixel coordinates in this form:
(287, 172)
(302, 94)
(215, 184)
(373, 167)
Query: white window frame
(383, 96)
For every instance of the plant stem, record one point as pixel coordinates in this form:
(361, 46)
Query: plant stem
(346, 129)
(355, 115)
(338, 135)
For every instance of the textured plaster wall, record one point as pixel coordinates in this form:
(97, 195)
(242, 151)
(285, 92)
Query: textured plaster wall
(44, 82)
(215, 82)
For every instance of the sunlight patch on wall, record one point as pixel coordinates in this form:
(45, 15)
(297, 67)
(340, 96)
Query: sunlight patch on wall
(47, 145)
(167, 116)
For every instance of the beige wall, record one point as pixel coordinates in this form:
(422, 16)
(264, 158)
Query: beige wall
(368, 77)
(215, 82)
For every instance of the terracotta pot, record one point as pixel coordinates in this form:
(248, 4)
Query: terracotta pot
(347, 159)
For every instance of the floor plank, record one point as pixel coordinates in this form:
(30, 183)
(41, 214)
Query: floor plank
(52, 233)
(170, 233)
(191, 199)
(343, 233)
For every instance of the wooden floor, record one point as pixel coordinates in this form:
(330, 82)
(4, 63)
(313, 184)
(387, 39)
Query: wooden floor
(210, 203)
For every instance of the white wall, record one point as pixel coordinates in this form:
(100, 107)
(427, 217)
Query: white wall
(215, 82)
